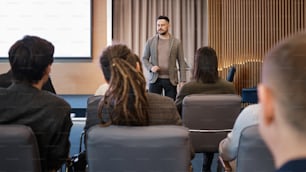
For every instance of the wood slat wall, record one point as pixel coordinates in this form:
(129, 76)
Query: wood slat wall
(242, 31)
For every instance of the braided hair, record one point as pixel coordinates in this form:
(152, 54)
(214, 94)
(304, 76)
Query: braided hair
(125, 101)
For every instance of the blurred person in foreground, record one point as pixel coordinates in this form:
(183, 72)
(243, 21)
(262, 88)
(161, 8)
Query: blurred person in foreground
(282, 93)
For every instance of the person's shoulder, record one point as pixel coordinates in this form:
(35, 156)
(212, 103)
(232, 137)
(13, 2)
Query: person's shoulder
(55, 99)
(223, 81)
(154, 96)
(152, 38)
(252, 109)
(51, 104)
(249, 115)
(158, 98)
(175, 39)
(93, 103)
(191, 85)
(94, 99)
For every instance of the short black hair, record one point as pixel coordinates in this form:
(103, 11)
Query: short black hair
(29, 57)
(163, 17)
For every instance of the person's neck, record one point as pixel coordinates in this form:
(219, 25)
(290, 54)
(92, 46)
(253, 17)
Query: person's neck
(38, 85)
(41, 82)
(290, 154)
(165, 36)
(288, 148)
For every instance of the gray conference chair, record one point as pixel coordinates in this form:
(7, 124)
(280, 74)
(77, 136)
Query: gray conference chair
(253, 155)
(209, 119)
(148, 148)
(18, 149)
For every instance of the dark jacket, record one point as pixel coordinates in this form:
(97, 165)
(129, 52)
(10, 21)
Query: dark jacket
(193, 87)
(47, 114)
(161, 110)
(176, 55)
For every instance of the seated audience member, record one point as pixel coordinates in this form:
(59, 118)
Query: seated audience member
(205, 77)
(6, 79)
(126, 101)
(24, 102)
(205, 81)
(229, 146)
(282, 93)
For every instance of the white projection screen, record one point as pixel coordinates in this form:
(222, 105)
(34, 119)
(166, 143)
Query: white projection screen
(65, 23)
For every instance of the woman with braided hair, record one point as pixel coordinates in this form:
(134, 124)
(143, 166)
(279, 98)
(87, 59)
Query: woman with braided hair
(126, 101)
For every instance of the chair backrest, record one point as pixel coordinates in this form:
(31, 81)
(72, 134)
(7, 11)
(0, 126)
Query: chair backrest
(148, 148)
(18, 149)
(231, 74)
(253, 154)
(209, 118)
(249, 95)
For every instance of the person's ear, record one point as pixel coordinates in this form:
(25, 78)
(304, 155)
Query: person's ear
(268, 104)
(48, 69)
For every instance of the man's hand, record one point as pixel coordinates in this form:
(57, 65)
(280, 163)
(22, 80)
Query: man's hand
(155, 69)
(180, 85)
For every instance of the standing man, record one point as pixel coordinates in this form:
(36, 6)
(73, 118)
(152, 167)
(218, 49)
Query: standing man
(161, 54)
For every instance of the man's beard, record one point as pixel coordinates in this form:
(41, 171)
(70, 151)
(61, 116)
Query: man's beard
(163, 33)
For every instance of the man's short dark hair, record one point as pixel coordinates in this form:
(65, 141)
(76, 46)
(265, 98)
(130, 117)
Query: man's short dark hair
(163, 17)
(29, 57)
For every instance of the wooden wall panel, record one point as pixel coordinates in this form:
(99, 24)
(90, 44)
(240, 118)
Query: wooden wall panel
(242, 31)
